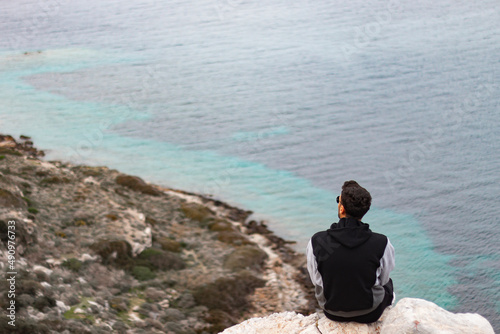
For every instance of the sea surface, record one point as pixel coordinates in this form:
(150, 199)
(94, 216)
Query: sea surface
(272, 105)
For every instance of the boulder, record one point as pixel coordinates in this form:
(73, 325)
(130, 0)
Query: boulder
(410, 315)
(413, 315)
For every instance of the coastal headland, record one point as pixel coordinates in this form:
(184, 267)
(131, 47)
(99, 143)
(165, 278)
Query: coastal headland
(93, 250)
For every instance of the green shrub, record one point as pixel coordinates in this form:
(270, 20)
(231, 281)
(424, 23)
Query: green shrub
(55, 180)
(107, 249)
(197, 212)
(44, 301)
(27, 200)
(221, 225)
(156, 259)
(32, 210)
(169, 244)
(8, 199)
(142, 273)
(219, 320)
(28, 287)
(120, 304)
(137, 184)
(91, 171)
(23, 325)
(233, 238)
(149, 252)
(228, 294)
(5, 150)
(246, 257)
(72, 264)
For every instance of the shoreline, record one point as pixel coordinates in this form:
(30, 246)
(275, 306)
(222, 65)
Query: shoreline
(198, 244)
(293, 273)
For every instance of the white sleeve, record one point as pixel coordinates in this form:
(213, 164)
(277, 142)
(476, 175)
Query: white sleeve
(312, 266)
(317, 280)
(387, 263)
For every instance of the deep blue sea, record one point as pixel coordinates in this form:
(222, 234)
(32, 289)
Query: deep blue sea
(272, 105)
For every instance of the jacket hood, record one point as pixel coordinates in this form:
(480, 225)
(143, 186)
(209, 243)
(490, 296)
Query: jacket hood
(350, 232)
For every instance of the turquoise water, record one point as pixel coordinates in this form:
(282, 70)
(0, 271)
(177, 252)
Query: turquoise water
(271, 107)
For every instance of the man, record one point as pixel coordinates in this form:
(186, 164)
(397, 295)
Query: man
(349, 264)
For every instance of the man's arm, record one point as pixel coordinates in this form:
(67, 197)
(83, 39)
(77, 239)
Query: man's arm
(312, 266)
(317, 280)
(387, 263)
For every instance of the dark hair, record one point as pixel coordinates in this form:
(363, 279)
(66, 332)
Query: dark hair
(355, 199)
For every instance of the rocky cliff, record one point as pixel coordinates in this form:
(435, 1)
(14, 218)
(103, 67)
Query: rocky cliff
(408, 316)
(92, 250)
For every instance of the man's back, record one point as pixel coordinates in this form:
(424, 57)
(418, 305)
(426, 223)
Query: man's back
(349, 266)
(348, 256)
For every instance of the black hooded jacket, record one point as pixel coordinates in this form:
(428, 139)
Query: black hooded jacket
(349, 265)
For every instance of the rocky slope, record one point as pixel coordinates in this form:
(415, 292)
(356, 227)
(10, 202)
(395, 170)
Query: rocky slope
(92, 250)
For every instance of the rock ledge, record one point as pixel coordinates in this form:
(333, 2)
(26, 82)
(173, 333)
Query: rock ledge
(409, 315)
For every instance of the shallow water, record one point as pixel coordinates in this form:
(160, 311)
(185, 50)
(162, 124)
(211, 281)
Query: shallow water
(273, 106)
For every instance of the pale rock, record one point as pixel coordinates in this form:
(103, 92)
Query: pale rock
(277, 323)
(130, 226)
(43, 269)
(45, 285)
(325, 325)
(91, 180)
(164, 303)
(413, 315)
(142, 240)
(134, 317)
(62, 306)
(54, 262)
(95, 304)
(410, 315)
(35, 314)
(45, 165)
(87, 257)
(8, 143)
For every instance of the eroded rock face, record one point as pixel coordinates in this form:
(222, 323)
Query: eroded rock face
(410, 315)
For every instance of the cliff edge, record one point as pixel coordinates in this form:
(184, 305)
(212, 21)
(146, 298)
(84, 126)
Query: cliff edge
(408, 316)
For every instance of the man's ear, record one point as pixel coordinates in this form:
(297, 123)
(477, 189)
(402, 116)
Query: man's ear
(342, 210)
